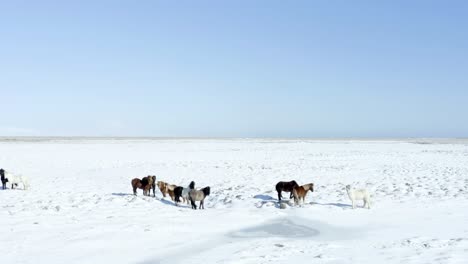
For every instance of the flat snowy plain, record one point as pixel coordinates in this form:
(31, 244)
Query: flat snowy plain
(80, 207)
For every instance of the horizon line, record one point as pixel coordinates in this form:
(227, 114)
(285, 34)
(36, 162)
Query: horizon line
(6, 138)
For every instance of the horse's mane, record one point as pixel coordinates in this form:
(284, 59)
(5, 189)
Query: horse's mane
(144, 181)
(192, 185)
(206, 190)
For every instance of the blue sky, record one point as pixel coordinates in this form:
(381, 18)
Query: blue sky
(234, 69)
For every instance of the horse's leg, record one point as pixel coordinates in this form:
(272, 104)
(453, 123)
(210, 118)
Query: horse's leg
(194, 206)
(279, 196)
(202, 204)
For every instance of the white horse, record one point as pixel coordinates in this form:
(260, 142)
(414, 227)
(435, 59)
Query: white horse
(358, 194)
(17, 180)
(186, 191)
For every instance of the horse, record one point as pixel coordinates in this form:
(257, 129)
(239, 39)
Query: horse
(162, 187)
(145, 184)
(166, 188)
(300, 192)
(285, 187)
(15, 180)
(4, 179)
(358, 194)
(180, 191)
(200, 195)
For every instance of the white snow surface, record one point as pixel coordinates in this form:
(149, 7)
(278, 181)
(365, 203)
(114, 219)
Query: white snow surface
(80, 207)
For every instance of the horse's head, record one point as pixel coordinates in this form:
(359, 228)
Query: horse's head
(161, 185)
(311, 187)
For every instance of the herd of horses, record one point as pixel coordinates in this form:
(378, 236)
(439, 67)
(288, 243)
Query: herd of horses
(190, 194)
(177, 193)
(298, 192)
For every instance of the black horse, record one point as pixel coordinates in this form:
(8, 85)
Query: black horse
(4, 180)
(285, 187)
(180, 191)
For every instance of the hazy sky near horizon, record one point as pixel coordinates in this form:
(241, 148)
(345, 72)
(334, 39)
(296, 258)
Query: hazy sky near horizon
(234, 69)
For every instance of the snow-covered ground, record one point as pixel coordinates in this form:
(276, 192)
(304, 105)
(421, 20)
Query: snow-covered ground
(80, 207)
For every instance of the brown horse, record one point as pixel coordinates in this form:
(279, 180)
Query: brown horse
(146, 184)
(285, 187)
(300, 192)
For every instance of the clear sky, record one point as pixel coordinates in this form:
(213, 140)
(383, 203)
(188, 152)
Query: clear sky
(234, 69)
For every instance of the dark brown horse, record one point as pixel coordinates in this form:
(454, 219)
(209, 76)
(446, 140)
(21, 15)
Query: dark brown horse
(146, 184)
(4, 180)
(285, 187)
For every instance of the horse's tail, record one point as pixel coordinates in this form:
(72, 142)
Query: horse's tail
(25, 183)
(278, 186)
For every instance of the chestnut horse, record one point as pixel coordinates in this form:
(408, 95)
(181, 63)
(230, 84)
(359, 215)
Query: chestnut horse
(166, 188)
(300, 192)
(285, 187)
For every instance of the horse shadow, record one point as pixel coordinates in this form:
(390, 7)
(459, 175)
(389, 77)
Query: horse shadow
(264, 197)
(166, 202)
(122, 194)
(341, 205)
(170, 202)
